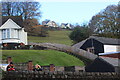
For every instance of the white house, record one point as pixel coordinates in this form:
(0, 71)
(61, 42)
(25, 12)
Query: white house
(67, 25)
(50, 23)
(12, 33)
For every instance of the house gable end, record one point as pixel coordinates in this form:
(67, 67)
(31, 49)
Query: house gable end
(93, 43)
(10, 24)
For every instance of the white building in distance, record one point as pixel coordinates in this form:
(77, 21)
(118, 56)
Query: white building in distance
(49, 23)
(67, 25)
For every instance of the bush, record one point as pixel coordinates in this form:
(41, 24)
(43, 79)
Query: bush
(79, 34)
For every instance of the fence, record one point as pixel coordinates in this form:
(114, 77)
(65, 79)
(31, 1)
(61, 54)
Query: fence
(33, 75)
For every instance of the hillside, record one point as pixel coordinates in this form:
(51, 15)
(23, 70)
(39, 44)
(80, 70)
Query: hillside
(60, 37)
(46, 57)
(42, 57)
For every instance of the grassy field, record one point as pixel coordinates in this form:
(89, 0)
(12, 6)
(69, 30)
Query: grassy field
(42, 57)
(60, 37)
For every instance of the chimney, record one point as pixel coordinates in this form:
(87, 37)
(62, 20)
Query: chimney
(30, 65)
(52, 67)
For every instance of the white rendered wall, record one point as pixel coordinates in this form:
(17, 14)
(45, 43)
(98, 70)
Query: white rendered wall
(12, 33)
(23, 36)
(111, 48)
(15, 33)
(118, 48)
(25, 39)
(0, 36)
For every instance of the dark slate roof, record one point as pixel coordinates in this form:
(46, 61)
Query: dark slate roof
(105, 40)
(17, 19)
(109, 41)
(100, 65)
(65, 24)
(45, 22)
(112, 61)
(78, 45)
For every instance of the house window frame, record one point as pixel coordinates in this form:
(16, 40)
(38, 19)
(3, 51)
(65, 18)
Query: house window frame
(5, 33)
(8, 33)
(91, 49)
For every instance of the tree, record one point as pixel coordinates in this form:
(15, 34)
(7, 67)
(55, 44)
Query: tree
(29, 23)
(105, 23)
(79, 34)
(28, 10)
(40, 31)
(34, 29)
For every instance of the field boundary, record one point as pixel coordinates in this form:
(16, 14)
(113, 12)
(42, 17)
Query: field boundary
(31, 75)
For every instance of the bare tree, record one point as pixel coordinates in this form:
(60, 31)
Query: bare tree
(28, 10)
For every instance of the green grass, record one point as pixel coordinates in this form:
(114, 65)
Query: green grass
(45, 57)
(42, 57)
(60, 37)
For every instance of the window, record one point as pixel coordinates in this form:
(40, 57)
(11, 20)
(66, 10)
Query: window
(15, 33)
(91, 49)
(5, 33)
(8, 33)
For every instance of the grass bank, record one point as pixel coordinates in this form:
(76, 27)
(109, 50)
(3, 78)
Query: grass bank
(60, 37)
(42, 57)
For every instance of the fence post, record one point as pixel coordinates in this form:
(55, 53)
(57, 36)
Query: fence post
(9, 59)
(52, 67)
(30, 65)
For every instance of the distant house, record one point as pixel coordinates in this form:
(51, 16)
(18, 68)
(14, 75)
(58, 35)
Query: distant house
(66, 25)
(11, 31)
(49, 23)
(106, 62)
(63, 25)
(97, 45)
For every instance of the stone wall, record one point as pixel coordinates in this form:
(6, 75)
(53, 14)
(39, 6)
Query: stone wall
(35, 75)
